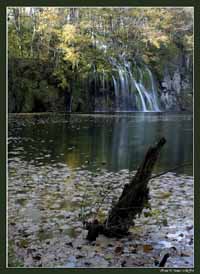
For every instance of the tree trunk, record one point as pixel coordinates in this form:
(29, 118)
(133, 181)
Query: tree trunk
(133, 199)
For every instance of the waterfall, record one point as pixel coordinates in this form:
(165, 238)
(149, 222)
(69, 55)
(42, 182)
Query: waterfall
(138, 87)
(116, 92)
(144, 108)
(115, 86)
(103, 80)
(131, 93)
(154, 92)
(70, 106)
(123, 88)
(134, 87)
(122, 81)
(147, 96)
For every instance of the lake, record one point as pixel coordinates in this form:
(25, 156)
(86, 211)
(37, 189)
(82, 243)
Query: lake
(115, 142)
(66, 169)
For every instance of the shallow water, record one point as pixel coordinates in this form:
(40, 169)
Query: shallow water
(64, 169)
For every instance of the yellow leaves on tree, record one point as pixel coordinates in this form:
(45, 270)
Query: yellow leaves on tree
(69, 37)
(72, 56)
(188, 42)
(48, 20)
(158, 40)
(68, 33)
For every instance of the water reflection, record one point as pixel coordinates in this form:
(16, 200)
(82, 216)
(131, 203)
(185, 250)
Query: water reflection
(91, 141)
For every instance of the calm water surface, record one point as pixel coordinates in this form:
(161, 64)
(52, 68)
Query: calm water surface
(113, 142)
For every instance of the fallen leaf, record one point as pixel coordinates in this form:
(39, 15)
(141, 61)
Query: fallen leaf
(118, 249)
(108, 256)
(185, 255)
(166, 195)
(147, 248)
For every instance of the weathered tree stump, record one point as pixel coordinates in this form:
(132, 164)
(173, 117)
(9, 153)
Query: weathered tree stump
(133, 199)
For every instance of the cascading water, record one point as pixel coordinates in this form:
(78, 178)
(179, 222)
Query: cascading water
(154, 92)
(134, 87)
(123, 87)
(129, 87)
(138, 87)
(116, 91)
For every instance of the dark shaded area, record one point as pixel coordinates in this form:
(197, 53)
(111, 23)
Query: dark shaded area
(32, 87)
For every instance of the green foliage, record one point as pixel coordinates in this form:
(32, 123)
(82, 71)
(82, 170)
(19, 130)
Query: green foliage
(31, 88)
(76, 41)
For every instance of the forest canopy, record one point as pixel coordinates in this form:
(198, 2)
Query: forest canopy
(73, 42)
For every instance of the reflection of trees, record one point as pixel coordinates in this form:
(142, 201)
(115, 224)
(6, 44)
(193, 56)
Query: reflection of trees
(119, 154)
(128, 140)
(179, 148)
(119, 141)
(72, 159)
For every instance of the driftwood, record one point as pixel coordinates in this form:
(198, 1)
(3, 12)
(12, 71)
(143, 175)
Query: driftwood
(164, 260)
(133, 199)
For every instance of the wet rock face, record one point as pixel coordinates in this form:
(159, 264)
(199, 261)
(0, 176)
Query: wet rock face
(176, 82)
(172, 83)
(169, 101)
(176, 85)
(166, 84)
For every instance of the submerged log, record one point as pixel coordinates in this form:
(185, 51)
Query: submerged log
(133, 199)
